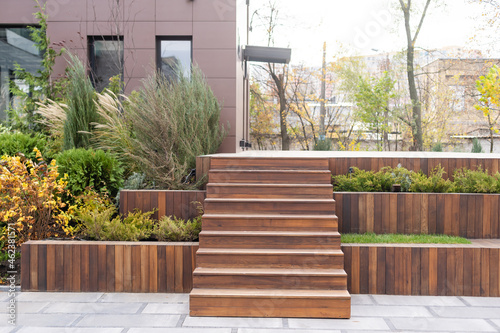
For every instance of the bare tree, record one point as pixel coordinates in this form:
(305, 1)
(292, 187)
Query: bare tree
(411, 38)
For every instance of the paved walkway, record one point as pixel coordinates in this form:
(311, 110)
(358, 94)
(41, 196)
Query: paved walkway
(154, 313)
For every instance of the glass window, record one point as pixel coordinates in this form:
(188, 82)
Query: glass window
(16, 47)
(106, 60)
(174, 54)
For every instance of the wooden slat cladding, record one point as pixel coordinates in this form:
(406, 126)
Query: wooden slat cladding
(466, 215)
(445, 270)
(80, 266)
(452, 270)
(182, 204)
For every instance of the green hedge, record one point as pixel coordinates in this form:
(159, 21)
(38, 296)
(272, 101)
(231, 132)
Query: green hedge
(465, 181)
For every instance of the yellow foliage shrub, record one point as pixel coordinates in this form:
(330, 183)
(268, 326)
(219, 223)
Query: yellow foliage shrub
(30, 199)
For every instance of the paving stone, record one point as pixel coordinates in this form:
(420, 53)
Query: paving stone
(145, 298)
(58, 297)
(68, 330)
(4, 296)
(138, 320)
(24, 307)
(389, 311)
(100, 308)
(357, 323)
(361, 300)
(167, 308)
(496, 321)
(418, 300)
(40, 319)
(468, 312)
(442, 324)
(234, 322)
(272, 330)
(180, 330)
(483, 301)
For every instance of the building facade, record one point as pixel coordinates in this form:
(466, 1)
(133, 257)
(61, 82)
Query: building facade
(134, 38)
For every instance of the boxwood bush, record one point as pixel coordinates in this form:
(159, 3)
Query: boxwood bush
(90, 168)
(465, 181)
(12, 143)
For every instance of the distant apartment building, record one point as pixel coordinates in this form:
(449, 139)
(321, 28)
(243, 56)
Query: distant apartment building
(449, 85)
(133, 38)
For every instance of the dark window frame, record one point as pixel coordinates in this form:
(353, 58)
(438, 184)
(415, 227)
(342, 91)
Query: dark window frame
(159, 39)
(91, 53)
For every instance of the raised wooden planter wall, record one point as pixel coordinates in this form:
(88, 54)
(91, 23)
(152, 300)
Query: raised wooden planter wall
(341, 165)
(181, 204)
(447, 270)
(167, 267)
(466, 215)
(83, 266)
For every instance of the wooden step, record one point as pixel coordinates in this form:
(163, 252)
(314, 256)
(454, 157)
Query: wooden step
(269, 258)
(263, 163)
(270, 303)
(265, 278)
(270, 206)
(269, 176)
(234, 222)
(290, 191)
(270, 239)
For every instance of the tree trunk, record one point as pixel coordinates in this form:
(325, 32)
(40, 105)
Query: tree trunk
(280, 89)
(416, 121)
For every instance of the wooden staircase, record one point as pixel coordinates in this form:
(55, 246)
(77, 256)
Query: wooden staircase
(269, 245)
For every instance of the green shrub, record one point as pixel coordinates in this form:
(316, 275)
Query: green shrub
(164, 127)
(13, 143)
(177, 230)
(475, 181)
(437, 147)
(98, 220)
(382, 181)
(81, 110)
(325, 144)
(357, 181)
(434, 183)
(476, 146)
(90, 168)
(369, 181)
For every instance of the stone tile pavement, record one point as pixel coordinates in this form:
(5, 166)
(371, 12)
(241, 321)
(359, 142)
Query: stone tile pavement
(155, 313)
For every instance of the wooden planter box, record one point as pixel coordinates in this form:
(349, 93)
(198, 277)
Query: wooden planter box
(81, 266)
(466, 215)
(181, 204)
(91, 266)
(420, 269)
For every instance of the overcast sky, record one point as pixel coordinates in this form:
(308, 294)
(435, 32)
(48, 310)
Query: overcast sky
(363, 26)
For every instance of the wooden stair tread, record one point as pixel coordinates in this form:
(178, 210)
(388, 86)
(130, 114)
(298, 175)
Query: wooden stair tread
(270, 271)
(226, 251)
(270, 185)
(297, 200)
(267, 293)
(290, 171)
(268, 216)
(269, 233)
